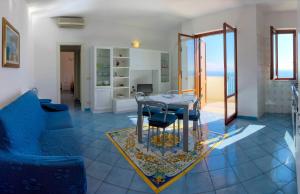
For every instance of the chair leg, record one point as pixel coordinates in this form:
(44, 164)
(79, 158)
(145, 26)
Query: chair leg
(163, 142)
(197, 130)
(148, 143)
(174, 134)
(136, 127)
(152, 130)
(200, 126)
(178, 132)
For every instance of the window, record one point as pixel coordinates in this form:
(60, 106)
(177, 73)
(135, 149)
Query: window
(283, 54)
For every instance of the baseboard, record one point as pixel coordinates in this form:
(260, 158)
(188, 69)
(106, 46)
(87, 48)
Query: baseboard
(247, 117)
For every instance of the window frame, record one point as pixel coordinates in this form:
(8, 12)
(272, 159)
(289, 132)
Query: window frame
(273, 31)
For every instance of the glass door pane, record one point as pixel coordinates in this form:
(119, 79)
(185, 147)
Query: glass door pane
(103, 67)
(186, 69)
(230, 66)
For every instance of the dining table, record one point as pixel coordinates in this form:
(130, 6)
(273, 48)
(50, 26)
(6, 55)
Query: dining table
(183, 101)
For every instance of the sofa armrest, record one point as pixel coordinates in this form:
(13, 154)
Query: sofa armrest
(42, 174)
(43, 101)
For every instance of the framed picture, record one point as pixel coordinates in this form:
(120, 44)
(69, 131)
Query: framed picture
(10, 45)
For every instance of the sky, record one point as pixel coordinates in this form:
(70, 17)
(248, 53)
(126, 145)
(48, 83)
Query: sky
(285, 55)
(215, 54)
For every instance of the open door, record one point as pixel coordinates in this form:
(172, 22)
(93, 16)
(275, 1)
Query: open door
(188, 69)
(203, 77)
(230, 71)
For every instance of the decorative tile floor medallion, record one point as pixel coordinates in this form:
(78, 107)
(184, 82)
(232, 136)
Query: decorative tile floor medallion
(160, 170)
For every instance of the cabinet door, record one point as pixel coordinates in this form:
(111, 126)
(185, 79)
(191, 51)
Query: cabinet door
(142, 59)
(103, 100)
(164, 58)
(103, 67)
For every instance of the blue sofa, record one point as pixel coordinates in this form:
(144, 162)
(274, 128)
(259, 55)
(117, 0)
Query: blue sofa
(24, 168)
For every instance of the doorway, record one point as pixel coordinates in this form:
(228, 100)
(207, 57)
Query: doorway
(70, 90)
(212, 74)
(208, 66)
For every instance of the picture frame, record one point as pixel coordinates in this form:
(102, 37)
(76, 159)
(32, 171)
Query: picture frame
(10, 45)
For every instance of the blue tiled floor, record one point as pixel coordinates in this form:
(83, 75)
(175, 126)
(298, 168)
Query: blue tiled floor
(258, 163)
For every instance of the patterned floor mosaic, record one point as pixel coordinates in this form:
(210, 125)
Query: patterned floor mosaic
(160, 167)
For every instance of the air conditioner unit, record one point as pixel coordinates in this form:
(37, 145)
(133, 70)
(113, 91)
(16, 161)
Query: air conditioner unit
(70, 22)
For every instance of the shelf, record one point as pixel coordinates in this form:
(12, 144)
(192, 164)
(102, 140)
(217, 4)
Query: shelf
(121, 57)
(121, 67)
(121, 77)
(121, 87)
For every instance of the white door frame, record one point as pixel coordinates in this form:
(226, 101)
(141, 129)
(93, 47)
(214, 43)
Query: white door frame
(82, 71)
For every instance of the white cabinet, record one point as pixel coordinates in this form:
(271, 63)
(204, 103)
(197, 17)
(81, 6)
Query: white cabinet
(101, 82)
(103, 100)
(142, 59)
(117, 71)
(124, 105)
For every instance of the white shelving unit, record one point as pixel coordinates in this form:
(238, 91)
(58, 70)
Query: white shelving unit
(121, 73)
(116, 70)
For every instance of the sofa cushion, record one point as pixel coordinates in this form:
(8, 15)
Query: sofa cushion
(21, 124)
(58, 120)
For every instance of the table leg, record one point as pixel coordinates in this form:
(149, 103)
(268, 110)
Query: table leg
(140, 123)
(186, 129)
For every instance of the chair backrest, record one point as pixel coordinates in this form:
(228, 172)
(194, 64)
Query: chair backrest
(196, 105)
(156, 104)
(138, 96)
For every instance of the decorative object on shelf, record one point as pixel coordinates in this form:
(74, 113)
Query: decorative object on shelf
(132, 90)
(117, 63)
(10, 45)
(136, 44)
(121, 85)
(120, 55)
(120, 96)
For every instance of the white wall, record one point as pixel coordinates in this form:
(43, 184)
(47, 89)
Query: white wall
(245, 20)
(173, 50)
(261, 71)
(14, 81)
(96, 33)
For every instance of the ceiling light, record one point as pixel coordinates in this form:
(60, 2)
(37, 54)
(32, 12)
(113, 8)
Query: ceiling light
(136, 44)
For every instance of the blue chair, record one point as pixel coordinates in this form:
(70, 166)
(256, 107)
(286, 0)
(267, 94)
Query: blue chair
(159, 120)
(25, 167)
(145, 113)
(194, 115)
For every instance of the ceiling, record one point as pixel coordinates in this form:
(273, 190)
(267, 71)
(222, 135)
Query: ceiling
(161, 14)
